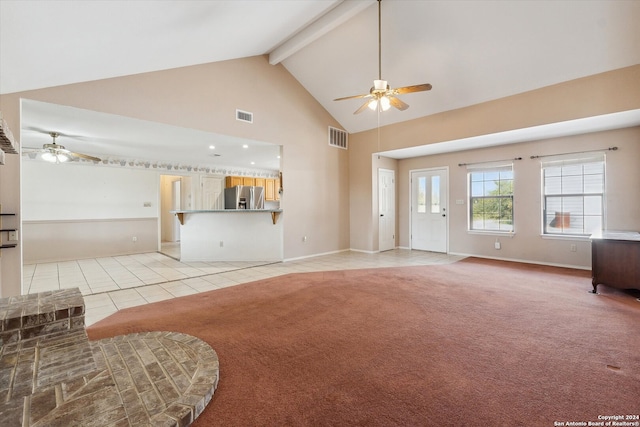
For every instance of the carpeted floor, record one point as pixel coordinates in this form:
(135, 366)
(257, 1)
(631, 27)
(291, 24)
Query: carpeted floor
(475, 343)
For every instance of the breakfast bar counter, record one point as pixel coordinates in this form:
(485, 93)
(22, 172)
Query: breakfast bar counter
(230, 235)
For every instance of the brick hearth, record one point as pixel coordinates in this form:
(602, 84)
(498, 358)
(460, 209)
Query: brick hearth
(52, 375)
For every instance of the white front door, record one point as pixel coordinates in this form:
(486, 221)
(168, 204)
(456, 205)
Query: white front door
(387, 210)
(429, 210)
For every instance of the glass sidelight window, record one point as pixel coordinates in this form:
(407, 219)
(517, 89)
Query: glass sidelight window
(422, 194)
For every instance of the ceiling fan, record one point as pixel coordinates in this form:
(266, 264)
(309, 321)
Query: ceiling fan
(380, 96)
(56, 153)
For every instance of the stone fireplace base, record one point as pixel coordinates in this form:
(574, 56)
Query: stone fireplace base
(52, 375)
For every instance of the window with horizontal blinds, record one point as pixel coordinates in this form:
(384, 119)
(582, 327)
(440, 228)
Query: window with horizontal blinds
(491, 197)
(573, 194)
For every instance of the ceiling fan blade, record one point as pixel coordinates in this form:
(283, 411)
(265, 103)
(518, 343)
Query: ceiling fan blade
(353, 97)
(33, 150)
(400, 105)
(86, 157)
(414, 88)
(362, 108)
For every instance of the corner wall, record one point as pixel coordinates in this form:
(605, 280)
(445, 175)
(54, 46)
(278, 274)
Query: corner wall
(605, 93)
(527, 243)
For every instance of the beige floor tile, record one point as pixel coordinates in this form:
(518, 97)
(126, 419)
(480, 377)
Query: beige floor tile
(179, 289)
(154, 293)
(126, 298)
(112, 283)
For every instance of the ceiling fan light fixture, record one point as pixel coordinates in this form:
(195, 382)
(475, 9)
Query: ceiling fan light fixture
(385, 103)
(54, 157)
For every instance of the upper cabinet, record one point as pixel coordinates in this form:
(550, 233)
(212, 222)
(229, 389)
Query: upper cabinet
(232, 181)
(270, 185)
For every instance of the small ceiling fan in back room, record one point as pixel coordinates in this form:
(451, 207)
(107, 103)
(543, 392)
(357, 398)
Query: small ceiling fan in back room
(56, 153)
(380, 96)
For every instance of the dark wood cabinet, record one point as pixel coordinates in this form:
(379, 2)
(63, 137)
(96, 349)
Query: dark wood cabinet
(615, 260)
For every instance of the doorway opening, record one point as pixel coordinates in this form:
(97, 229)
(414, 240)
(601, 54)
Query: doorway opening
(175, 194)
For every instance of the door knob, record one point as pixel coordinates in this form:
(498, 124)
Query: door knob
(443, 215)
(381, 214)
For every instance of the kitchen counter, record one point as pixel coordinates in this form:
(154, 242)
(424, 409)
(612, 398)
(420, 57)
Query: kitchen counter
(230, 235)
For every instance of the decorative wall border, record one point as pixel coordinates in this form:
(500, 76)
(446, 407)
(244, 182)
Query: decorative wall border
(169, 166)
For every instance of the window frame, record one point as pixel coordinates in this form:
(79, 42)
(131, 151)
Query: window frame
(490, 168)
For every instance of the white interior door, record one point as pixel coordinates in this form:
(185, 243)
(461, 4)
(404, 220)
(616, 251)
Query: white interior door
(429, 225)
(387, 210)
(212, 193)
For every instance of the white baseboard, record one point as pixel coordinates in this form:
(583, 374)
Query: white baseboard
(524, 261)
(315, 255)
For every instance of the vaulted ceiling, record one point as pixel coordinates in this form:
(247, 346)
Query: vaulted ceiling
(470, 51)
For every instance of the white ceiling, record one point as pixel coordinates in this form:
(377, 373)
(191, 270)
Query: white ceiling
(91, 132)
(470, 51)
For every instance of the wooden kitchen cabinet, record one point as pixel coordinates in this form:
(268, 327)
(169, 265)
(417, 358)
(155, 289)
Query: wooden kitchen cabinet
(232, 181)
(272, 189)
(269, 190)
(271, 185)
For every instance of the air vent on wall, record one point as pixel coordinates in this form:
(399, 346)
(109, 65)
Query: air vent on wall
(244, 116)
(337, 137)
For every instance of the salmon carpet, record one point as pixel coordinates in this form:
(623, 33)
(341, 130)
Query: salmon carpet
(475, 343)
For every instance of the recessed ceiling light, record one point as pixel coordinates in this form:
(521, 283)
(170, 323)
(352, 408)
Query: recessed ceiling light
(253, 163)
(245, 146)
(212, 147)
(278, 156)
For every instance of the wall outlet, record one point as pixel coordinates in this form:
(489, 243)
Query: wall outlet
(574, 247)
(304, 238)
(497, 244)
(221, 244)
(134, 238)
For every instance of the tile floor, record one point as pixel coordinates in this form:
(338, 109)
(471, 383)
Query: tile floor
(113, 283)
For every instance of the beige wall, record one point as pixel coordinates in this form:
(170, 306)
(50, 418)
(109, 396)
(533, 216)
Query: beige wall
(604, 93)
(51, 241)
(315, 199)
(526, 244)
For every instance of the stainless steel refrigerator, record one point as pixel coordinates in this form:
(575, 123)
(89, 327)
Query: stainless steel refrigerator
(244, 197)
